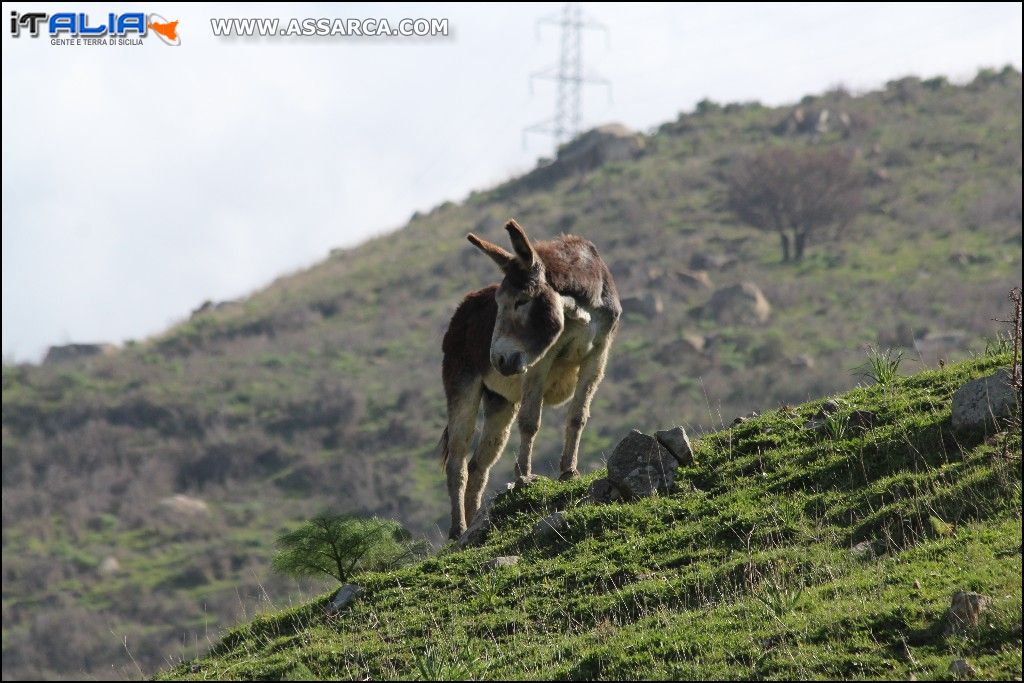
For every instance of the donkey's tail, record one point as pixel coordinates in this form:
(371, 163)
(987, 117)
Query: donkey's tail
(442, 448)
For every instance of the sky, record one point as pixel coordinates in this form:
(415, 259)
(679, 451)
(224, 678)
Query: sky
(139, 181)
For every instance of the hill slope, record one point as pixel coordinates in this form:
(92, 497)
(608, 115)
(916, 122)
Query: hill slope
(755, 568)
(323, 389)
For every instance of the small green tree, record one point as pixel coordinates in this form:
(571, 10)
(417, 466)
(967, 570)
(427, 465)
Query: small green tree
(344, 545)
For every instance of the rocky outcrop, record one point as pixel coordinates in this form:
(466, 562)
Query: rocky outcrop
(604, 144)
(72, 352)
(983, 402)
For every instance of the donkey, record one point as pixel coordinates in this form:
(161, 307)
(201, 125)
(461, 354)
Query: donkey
(541, 336)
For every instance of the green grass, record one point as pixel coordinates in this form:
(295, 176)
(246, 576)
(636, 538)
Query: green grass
(746, 571)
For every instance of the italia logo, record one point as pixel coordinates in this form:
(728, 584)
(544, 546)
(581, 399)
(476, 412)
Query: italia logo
(78, 28)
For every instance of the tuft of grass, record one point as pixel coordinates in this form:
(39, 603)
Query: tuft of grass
(881, 367)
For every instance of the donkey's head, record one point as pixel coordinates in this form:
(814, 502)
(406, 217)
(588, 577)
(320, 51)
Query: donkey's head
(531, 313)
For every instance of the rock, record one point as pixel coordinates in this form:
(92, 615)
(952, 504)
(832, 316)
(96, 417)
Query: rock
(481, 525)
(109, 566)
(740, 304)
(503, 561)
(550, 527)
(981, 402)
(649, 304)
(688, 344)
(677, 443)
(609, 143)
(862, 419)
(640, 466)
(706, 261)
(71, 352)
(603, 491)
(878, 176)
(865, 550)
(942, 342)
(528, 480)
(961, 668)
(802, 362)
(828, 407)
(185, 506)
(345, 596)
(694, 279)
(899, 336)
(964, 611)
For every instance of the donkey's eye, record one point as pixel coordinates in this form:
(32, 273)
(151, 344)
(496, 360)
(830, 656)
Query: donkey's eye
(522, 302)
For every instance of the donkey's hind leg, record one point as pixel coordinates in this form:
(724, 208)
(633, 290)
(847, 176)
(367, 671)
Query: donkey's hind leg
(498, 416)
(462, 412)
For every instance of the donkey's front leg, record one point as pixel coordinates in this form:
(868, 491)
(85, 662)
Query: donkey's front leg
(529, 419)
(591, 373)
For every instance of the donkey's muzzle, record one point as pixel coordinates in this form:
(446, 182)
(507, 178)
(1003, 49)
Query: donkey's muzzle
(508, 364)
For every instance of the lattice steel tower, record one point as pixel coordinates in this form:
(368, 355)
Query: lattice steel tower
(568, 74)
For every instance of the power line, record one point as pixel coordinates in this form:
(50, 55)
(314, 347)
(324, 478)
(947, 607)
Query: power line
(567, 74)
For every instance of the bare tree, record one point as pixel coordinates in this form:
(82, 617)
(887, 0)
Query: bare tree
(798, 193)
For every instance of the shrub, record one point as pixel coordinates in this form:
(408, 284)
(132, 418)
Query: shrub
(345, 545)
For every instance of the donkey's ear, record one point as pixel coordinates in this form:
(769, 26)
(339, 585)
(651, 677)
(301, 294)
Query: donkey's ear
(521, 243)
(497, 254)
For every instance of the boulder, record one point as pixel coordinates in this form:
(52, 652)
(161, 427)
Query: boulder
(688, 344)
(479, 527)
(550, 527)
(711, 261)
(964, 611)
(802, 362)
(345, 596)
(640, 466)
(942, 342)
(694, 279)
(961, 668)
(109, 566)
(678, 444)
(739, 304)
(603, 491)
(648, 304)
(185, 506)
(982, 402)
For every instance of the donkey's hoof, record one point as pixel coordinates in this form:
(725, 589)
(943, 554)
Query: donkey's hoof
(569, 475)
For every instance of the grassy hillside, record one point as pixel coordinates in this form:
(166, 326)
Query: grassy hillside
(753, 569)
(323, 389)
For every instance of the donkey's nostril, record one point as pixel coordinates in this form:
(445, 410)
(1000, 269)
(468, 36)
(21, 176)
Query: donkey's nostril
(515, 362)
